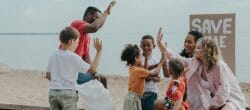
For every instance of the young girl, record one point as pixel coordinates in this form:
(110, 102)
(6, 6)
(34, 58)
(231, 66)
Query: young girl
(176, 89)
(137, 75)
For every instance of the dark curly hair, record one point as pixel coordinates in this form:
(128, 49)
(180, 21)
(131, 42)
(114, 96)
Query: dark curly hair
(129, 53)
(197, 35)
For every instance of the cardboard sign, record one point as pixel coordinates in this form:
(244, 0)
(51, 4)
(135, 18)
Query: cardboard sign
(221, 27)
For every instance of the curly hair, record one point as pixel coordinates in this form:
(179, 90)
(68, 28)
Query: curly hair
(197, 35)
(211, 51)
(129, 53)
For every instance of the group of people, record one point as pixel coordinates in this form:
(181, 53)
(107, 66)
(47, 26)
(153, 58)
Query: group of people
(200, 80)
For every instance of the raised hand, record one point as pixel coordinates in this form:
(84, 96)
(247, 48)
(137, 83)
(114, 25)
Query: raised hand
(97, 44)
(160, 42)
(159, 35)
(108, 10)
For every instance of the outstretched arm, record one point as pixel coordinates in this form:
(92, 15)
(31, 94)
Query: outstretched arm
(155, 72)
(160, 42)
(162, 46)
(97, 24)
(94, 65)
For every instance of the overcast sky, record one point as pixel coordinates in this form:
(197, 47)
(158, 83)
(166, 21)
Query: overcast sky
(128, 16)
(129, 20)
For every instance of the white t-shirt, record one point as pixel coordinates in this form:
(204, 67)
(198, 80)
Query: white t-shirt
(150, 86)
(64, 67)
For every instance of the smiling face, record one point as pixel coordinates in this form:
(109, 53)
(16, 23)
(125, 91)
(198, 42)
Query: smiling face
(92, 17)
(199, 52)
(147, 46)
(189, 44)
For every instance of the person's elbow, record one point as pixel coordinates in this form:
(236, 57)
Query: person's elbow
(91, 29)
(92, 70)
(95, 29)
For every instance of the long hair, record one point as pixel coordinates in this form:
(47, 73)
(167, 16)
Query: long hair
(211, 51)
(197, 35)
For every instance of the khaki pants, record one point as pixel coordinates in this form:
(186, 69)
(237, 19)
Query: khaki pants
(132, 102)
(63, 99)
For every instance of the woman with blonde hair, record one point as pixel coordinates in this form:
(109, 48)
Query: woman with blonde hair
(210, 82)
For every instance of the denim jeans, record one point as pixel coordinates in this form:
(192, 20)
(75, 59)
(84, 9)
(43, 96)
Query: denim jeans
(148, 100)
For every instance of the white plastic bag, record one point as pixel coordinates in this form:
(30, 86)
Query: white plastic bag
(95, 96)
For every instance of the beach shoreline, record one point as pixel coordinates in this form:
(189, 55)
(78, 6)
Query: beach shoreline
(28, 87)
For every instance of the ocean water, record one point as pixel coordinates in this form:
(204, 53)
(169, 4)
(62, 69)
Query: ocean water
(31, 51)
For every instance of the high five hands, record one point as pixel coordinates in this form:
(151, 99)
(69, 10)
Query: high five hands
(160, 42)
(108, 10)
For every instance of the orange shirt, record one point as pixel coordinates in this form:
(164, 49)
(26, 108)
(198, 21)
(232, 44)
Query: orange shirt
(136, 81)
(176, 90)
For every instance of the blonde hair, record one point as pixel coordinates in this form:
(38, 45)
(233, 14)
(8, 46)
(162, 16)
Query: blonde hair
(211, 51)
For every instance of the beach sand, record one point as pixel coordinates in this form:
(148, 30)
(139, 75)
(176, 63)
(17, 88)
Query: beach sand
(27, 87)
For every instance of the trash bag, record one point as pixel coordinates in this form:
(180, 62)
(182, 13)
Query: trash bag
(95, 96)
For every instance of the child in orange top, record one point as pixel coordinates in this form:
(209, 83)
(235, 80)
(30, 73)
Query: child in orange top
(176, 89)
(137, 76)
